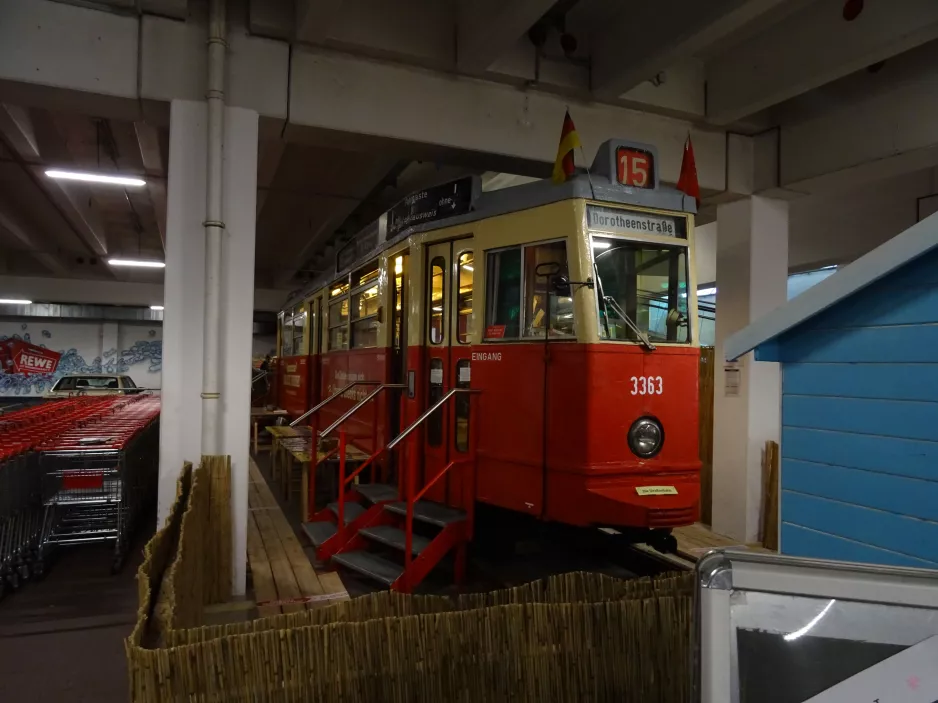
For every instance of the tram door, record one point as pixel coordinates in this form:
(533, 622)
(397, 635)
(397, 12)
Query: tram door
(449, 275)
(399, 303)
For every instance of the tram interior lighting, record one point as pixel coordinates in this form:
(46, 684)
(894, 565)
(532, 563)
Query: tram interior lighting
(15, 301)
(89, 177)
(468, 267)
(156, 307)
(399, 265)
(600, 245)
(137, 263)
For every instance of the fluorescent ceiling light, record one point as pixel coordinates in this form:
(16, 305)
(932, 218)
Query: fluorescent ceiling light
(96, 178)
(15, 301)
(601, 245)
(156, 307)
(136, 262)
(706, 291)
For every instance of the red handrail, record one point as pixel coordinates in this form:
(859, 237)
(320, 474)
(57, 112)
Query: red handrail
(413, 497)
(343, 443)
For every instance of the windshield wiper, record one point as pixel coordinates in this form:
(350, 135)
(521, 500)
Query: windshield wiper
(610, 302)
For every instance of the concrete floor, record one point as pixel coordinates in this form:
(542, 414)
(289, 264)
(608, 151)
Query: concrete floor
(62, 639)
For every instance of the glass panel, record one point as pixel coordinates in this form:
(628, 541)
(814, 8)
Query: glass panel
(129, 382)
(365, 303)
(365, 333)
(645, 282)
(286, 336)
(299, 332)
(437, 299)
(503, 295)
(398, 300)
(537, 292)
(462, 401)
(366, 275)
(338, 289)
(338, 313)
(435, 392)
(338, 338)
(464, 276)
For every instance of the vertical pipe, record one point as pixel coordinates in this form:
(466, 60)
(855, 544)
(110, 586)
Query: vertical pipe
(214, 229)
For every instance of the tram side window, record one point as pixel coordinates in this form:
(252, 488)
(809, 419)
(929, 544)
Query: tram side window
(508, 314)
(286, 336)
(464, 277)
(338, 324)
(365, 309)
(503, 297)
(437, 299)
(537, 295)
(299, 331)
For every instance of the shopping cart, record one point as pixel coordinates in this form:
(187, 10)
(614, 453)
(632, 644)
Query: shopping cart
(97, 477)
(20, 520)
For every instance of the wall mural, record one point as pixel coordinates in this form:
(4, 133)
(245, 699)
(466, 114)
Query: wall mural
(145, 355)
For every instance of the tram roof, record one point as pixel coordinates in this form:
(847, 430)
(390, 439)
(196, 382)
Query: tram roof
(599, 183)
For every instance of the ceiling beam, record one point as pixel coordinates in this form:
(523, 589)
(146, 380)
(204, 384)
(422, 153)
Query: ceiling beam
(651, 37)
(489, 28)
(811, 48)
(72, 201)
(148, 142)
(34, 244)
(314, 19)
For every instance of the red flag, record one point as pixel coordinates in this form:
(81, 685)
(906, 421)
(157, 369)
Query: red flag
(564, 167)
(687, 182)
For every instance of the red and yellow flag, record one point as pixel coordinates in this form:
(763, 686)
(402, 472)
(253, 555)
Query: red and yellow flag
(564, 166)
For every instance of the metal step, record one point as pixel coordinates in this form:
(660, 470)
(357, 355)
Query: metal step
(352, 510)
(377, 492)
(427, 511)
(394, 537)
(371, 565)
(319, 532)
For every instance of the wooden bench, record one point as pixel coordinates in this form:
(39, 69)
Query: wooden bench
(279, 568)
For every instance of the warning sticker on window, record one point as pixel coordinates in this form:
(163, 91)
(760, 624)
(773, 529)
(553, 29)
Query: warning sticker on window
(656, 490)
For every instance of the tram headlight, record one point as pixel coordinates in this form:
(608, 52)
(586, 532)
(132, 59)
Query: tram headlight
(646, 437)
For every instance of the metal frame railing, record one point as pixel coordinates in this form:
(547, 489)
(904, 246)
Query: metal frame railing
(410, 473)
(337, 394)
(343, 443)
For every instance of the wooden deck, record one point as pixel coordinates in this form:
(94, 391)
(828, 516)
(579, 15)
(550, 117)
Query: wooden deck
(698, 539)
(283, 577)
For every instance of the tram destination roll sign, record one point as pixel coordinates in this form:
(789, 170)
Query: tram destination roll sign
(445, 200)
(604, 219)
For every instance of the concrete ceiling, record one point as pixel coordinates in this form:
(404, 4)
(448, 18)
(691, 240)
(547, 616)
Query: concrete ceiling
(722, 64)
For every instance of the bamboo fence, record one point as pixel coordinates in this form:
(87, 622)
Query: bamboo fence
(573, 637)
(770, 459)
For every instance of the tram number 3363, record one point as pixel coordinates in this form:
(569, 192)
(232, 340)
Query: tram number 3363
(647, 385)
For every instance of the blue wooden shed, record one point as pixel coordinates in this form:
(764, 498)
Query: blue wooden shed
(859, 440)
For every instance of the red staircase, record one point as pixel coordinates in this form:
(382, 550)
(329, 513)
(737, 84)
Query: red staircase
(389, 533)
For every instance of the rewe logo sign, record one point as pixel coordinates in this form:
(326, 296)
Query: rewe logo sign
(29, 359)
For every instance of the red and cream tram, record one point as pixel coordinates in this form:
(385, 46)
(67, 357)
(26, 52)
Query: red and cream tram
(570, 307)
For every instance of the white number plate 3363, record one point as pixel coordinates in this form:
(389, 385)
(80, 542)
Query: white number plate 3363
(647, 385)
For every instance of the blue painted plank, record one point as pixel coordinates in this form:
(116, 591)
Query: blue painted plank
(801, 542)
(896, 533)
(895, 494)
(924, 269)
(901, 457)
(887, 381)
(886, 303)
(905, 419)
(911, 344)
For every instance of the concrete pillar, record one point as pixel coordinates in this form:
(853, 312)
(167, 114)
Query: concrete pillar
(752, 275)
(183, 324)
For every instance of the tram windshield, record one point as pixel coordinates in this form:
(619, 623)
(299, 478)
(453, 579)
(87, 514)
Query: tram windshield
(641, 291)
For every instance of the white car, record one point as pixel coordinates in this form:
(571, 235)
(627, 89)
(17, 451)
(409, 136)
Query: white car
(92, 384)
